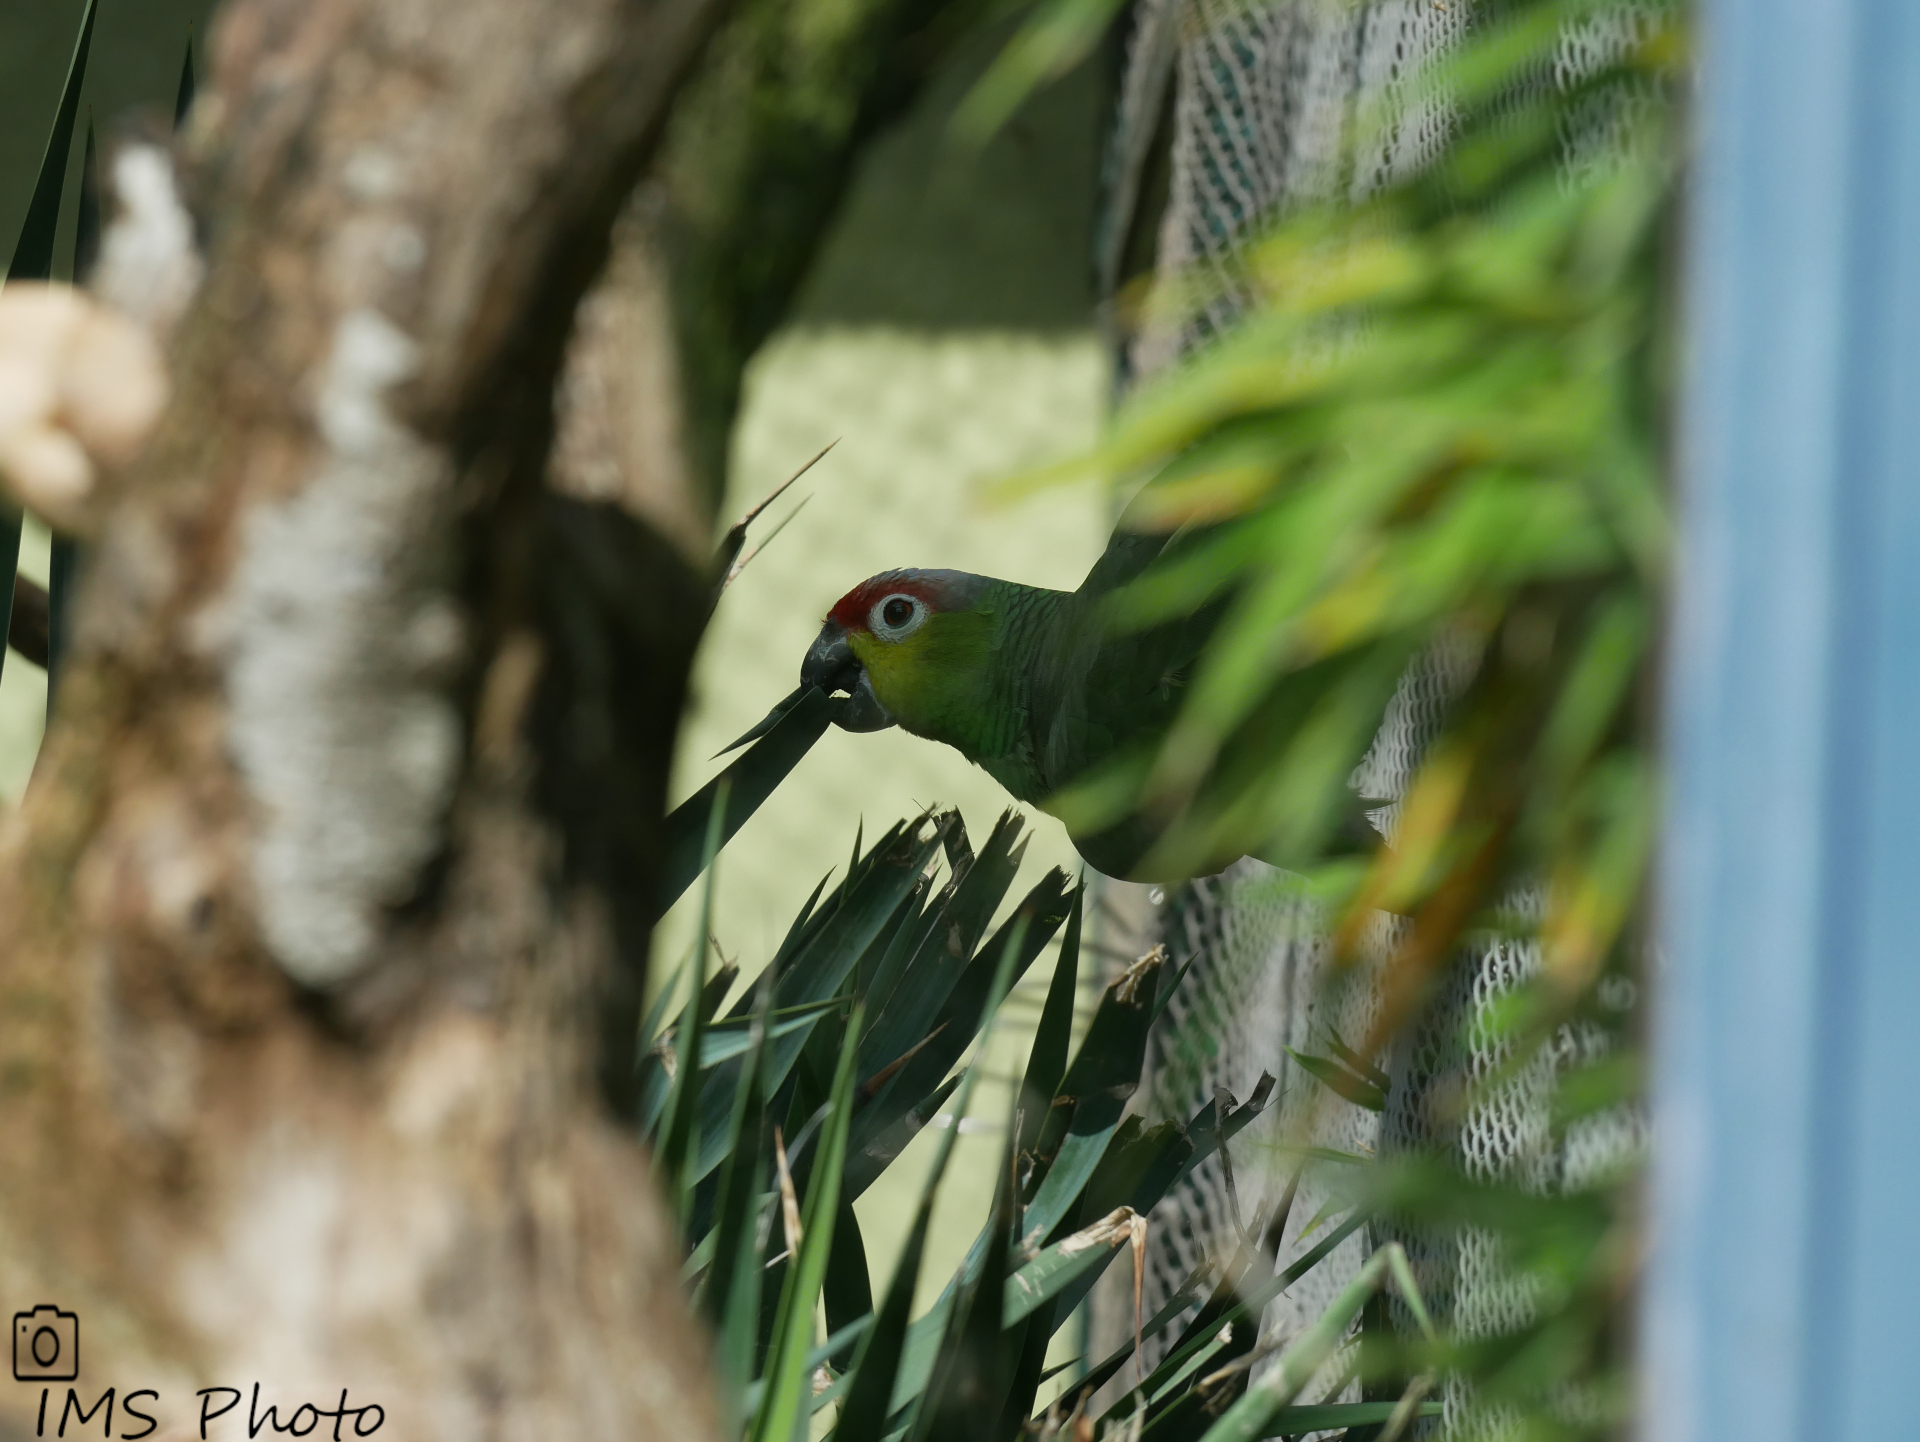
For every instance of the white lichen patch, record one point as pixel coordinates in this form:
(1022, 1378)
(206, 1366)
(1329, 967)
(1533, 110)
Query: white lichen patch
(149, 268)
(269, 1277)
(339, 718)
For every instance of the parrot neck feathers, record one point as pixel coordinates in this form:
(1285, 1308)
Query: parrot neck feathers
(965, 676)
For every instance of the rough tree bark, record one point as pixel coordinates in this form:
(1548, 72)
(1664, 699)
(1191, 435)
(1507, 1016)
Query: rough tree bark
(323, 926)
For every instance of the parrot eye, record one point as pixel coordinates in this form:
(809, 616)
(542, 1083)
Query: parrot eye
(897, 616)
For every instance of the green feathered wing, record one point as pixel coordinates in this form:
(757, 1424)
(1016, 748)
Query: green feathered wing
(1089, 696)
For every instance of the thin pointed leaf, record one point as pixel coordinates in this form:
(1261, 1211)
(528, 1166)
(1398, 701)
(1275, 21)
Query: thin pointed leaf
(1059, 1266)
(1403, 1278)
(848, 1289)
(1356, 1063)
(1326, 1213)
(781, 1417)
(733, 1284)
(736, 535)
(911, 1349)
(975, 1368)
(1332, 1416)
(1172, 987)
(1055, 38)
(1253, 1303)
(183, 95)
(1109, 1367)
(1053, 1037)
(969, 1001)
(1035, 1335)
(859, 835)
(33, 252)
(741, 1180)
(1253, 1415)
(727, 1039)
(717, 987)
(656, 1085)
(806, 921)
(86, 218)
(765, 723)
(64, 561)
(33, 260)
(879, 969)
(734, 570)
(650, 1031)
(682, 1140)
(1356, 1089)
(860, 912)
(864, 1416)
(916, 986)
(1093, 1093)
(821, 1356)
(749, 782)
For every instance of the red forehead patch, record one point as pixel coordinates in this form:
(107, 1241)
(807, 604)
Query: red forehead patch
(941, 590)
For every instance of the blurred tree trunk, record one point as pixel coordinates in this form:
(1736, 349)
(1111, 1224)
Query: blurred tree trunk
(324, 925)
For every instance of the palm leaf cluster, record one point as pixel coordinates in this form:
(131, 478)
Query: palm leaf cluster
(769, 1117)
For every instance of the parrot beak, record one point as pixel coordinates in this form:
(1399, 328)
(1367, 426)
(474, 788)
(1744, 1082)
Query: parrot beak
(832, 666)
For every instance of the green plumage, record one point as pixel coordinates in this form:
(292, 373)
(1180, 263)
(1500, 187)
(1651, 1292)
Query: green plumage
(1032, 685)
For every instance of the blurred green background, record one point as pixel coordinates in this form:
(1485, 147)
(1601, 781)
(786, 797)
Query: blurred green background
(134, 66)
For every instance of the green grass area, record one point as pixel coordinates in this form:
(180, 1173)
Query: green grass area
(23, 687)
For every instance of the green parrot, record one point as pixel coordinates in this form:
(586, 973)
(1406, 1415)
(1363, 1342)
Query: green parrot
(1025, 682)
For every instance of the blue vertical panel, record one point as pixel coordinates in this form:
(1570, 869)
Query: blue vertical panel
(1867, 1127)
(1783, 1299)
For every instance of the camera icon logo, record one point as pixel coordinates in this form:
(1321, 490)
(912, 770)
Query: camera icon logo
(46, 1345)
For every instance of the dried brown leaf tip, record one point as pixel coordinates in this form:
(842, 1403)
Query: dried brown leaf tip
(1126, 986)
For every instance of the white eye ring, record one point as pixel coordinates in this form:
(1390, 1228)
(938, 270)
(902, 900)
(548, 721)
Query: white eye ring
(888, 631)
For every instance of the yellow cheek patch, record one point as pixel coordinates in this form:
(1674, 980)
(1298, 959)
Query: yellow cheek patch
(888, 662)
(931, 681)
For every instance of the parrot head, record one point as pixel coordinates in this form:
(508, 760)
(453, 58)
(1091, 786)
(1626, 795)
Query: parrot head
(909, 649)
(1021, 680)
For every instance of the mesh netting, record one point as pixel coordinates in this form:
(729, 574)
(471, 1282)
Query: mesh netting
(1265, 98)
(1256, 103)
